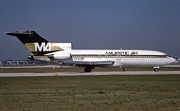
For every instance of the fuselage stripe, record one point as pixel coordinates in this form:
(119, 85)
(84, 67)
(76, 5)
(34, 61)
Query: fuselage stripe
(120, 56)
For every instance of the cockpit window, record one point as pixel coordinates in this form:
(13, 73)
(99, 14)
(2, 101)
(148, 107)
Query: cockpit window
(168, 56)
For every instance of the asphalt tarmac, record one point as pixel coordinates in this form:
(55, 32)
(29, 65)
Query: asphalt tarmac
(88, 74)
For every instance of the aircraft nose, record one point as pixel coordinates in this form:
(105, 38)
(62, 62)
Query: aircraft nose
(172, 60)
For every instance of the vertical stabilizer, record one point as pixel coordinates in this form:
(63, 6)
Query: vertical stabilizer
(35, 43)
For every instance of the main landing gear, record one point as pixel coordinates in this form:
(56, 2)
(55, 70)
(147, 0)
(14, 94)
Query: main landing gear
(88, 69)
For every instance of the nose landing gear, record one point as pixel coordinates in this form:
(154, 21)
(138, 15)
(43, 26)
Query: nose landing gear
(156, 69)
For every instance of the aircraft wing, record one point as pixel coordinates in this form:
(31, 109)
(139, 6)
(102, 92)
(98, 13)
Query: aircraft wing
(94, 63)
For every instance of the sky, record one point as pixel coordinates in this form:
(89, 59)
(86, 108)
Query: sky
(92, 24)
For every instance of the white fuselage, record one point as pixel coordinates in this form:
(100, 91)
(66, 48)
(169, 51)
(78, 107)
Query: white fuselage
(117, 57)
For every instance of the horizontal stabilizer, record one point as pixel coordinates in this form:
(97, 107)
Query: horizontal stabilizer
(27, 36)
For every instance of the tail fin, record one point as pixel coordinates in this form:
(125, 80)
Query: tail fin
(35, 43)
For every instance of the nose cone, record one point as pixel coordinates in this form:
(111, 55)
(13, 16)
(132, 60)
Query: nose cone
(171, 60)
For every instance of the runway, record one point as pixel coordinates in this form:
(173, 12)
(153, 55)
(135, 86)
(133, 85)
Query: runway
(88, 74)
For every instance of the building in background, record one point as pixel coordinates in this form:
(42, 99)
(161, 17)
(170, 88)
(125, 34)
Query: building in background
(22, 63)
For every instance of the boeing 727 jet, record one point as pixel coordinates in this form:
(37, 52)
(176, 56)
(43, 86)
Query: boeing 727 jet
(44, 50)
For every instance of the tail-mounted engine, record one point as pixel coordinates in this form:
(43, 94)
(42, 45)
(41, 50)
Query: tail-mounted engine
(60, 56)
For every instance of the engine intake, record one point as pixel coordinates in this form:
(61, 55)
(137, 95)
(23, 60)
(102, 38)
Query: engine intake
(60, 56)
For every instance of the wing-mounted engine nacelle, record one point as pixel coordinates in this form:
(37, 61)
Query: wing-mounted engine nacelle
(60, 56)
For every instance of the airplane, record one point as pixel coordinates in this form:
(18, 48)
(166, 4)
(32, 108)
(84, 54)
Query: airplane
(63, 53)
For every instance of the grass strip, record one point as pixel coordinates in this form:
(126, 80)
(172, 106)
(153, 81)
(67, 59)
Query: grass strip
(91, 93)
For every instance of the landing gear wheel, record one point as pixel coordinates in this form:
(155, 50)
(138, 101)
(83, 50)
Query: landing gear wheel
(155, 69)
(87, 69)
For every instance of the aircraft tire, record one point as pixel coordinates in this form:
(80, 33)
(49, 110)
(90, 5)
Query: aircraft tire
(155, 69)
(87, 69)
